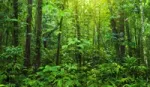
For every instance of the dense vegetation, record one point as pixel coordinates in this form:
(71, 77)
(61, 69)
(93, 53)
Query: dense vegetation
(74, 43)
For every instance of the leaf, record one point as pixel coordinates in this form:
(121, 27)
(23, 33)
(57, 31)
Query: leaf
(64, 46)
(107, 86)
(47, 68)
(93, 85)
(13, 20)
(69, 83)
(58, 32)
(1, 85)
(59, 82)
(81, 46)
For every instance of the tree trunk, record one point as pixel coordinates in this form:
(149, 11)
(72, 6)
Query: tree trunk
(128, 38)
(59, 43)
(58, 60)
(38, 27)
(0, 41)
(115, 38)
(122, 35)
(78, 34)
(28, 35)
(98, 34)
(15, 31)
(140, 49)
(141, 33)
(94, 36)
(114, 32)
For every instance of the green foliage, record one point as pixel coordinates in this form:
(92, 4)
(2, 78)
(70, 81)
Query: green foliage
(105, 75)
(92, 28)
(70, 49)
(70, 75)
(53, 76)
(11, 65)
(11, 57)
(11, 52)
(1, 85)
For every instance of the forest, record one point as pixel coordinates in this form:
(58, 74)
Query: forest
(74, 43)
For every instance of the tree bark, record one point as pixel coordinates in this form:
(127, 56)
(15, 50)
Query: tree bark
(28, 35)
(0, 41)
(122, 35)
(38, 28)
(140, 50)
(58, 60)
(98, 33)
(129, 39)
(114, 31)
(141, 32)
(59, 43)
(78, 34)
(15, 31)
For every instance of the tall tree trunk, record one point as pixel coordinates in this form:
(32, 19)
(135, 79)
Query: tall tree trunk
(128, 38)
(98, 32)
(59, 43)
(58, 60)
(147, 56)
(15, 31)
(144, 60)
(94, 36)
(140, 49)
(28, 35)
(38, 27)
(0, 41)
(114, 31)
(122, 35)
(115, 37)
(141, 31)
(78, 33)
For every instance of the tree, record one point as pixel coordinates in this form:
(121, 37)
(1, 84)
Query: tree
(28, 36)
(38, 27)
(16, 27)
(59, 35)
(121, 32)
(141, 30)
(129, 38)
(78, 33)
(114, 29)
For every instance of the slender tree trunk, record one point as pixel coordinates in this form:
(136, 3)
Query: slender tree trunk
(28, 35)
(58, 60)
(148, 49)
(15, 31)
(122, 36)
(1, 18)
(0, 41)
(88, 32)
(141, 32)
(136, 38)
(78, 34)
(115, 37)
(140, 49)
(147, 55)
(128, 38)
(144, 60)
(94, 36)
(98, 34)
(59, 43)
(38, 26)
(114, 31)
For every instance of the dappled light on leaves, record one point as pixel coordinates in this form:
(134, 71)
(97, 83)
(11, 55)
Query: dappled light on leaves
(74, 43)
